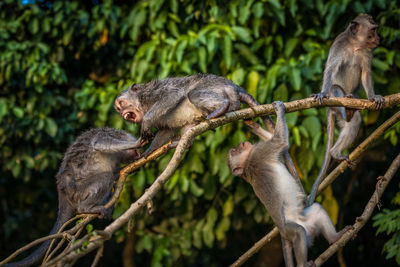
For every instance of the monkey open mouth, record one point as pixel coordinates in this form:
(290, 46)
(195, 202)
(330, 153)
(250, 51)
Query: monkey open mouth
(129, 116)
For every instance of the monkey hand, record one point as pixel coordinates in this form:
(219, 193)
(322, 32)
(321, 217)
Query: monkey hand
(379, 101)
(145, 136)
(320, 97)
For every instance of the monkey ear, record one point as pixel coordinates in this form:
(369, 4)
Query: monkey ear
(238, 171)
(132, 87)
(354, 27)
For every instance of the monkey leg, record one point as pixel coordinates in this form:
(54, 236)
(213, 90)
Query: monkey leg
(287, 252)
(297, 236)
(162, 136)
(347, 135)
(337, 91)
(317, 221)
(209, 101)
(109, 144)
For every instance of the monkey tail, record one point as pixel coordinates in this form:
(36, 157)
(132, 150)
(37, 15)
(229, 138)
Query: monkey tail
(327, 158)
(63, 216)
(247, 98)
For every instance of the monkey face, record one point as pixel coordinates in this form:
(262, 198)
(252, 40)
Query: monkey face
(237, 157)
(365, 31)
(128, 106)
(373, 37)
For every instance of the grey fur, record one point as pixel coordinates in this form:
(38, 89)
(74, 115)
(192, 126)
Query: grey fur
(281, 195)
(85, 178)
(347, 68)
(172, 103)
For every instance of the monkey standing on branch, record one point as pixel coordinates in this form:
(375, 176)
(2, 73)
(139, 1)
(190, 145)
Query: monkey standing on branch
(173, 103)
(283, 198)
(348, 66)
(87, 173)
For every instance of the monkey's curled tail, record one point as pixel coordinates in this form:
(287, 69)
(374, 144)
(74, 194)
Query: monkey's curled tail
(247, 98)
(327, 158)
(63, 216)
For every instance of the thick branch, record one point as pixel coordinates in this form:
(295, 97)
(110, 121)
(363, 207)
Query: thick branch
(381, 185)
(187, 138)
(354, 156)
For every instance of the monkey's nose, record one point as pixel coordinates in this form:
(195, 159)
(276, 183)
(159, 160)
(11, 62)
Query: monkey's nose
(119, 104)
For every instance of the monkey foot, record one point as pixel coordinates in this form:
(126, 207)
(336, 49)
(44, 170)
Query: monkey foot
(349, 96)
(105, 213)
(320, 97)
(342, 232)
(346, 158)
(278, 105)
(311, 264)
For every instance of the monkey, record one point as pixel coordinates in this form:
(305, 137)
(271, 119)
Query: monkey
(348, 66)
(85, 178)
(178, 103)
(283, 198)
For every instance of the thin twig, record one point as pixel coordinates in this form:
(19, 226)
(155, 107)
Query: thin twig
(381, 185)
(32, 244)
(248, 113)
(256, 247)
(99, 254)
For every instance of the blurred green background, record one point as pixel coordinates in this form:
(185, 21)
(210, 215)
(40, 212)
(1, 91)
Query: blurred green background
(62, 63)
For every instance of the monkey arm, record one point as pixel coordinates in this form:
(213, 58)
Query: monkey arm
(110, 145)
(366, 80)
(166, 102)
(329, 72)
(256, 129)
(281, 134)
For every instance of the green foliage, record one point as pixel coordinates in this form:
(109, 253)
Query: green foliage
(388, 221)
(62, 65)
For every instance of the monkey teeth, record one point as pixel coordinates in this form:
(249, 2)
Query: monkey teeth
(128, 116)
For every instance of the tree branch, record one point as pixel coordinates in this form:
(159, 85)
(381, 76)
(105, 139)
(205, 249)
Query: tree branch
(248, 113)
(354, 156)
(381, 185)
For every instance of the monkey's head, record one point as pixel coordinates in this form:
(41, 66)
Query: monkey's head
(364, 31)
(128, 105)
(238, 156)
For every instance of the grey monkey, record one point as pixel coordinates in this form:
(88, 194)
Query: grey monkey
(348, 66)
(85, 178)
(178, 103)
(283, 198)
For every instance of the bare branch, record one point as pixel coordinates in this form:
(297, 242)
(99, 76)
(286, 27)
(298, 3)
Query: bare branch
(256, 247)
(34, 243)
(69, 255)
(381, 185)
(354, 156)
(99, 254)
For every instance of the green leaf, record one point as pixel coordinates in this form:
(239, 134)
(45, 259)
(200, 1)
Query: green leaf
(244, 34)
(89, 228)
(290, 46)
(18, 112)
(238, 76)
(202, 59)
(222, 227)
(227, 209)
(51, 127)
(227, 51)
(195, 189)
(295, 78)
